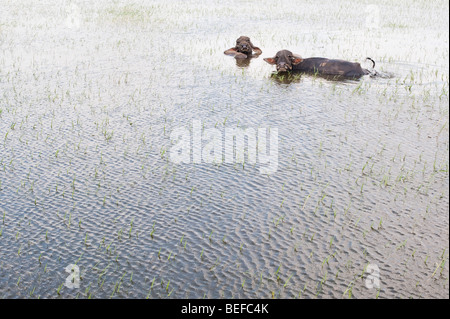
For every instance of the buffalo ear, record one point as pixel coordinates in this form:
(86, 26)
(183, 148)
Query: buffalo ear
(257, 50)
(231, 51)
(235, 53)
(296, 59)
(270, 60)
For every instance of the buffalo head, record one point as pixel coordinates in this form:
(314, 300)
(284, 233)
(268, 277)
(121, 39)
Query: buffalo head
(244, 49)
(284, 60)
(244, 45)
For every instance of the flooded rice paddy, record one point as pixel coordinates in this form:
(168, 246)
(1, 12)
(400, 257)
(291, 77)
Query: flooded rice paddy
(358, 206)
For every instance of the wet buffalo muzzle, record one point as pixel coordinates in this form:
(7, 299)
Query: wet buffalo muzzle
(245, 48)
(283, 67)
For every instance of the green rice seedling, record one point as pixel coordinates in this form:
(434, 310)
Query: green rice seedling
(380, 225)
(153, 230)
(347, 209)
(285, 284)
(119, 283)
(95, 266)
(276, 273)
(365, 233)
(212, 231)
(324, 279)
(58, 291)
(109, 247)
(153, 282)
(114, 291)
(349, 290)
(364, 271)
(70, 220)
(103, 272)
(32, 291)
(306, 200)
(215, 264)
(86, 292)
(402, 245)
(301, 292)
(441, 264)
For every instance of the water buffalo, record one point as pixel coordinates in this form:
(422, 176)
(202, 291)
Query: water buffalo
(286, 61)
(244, 49)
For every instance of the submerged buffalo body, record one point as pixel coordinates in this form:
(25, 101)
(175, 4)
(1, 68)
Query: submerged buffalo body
(286, 61)
(244, 49)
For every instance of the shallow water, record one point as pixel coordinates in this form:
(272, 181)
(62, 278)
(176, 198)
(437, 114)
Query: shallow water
(89, 96)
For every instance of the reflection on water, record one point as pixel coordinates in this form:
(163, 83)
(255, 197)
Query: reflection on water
(243, 63)
(295, 77)
(286, 77)
(86, 115)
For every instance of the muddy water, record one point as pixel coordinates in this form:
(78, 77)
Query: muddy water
(90, 94)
